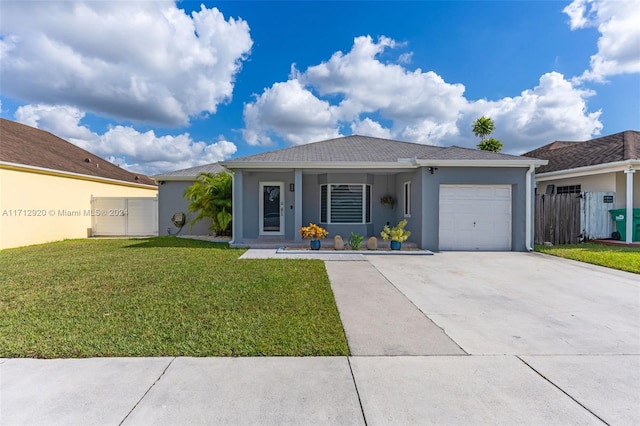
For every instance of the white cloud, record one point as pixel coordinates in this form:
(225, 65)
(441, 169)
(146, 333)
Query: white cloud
(357, 91)
(142, 60)
(145, 152)
(291, 112)
(619, 42)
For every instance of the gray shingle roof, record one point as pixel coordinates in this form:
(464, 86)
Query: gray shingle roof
(366, 149)
(25, 145)
(193, 172)
(564, 155)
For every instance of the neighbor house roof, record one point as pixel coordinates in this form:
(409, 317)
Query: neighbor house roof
(23, 147)
(365, 150)
(191, 173)
(564, 155)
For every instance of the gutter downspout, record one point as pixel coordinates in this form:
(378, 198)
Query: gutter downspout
(629, 228)
(527, 213)
(233, 206)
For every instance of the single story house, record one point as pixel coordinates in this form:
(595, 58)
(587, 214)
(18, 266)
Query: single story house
(171, 201)
(49, 189)
(604, 164)
(453, 198)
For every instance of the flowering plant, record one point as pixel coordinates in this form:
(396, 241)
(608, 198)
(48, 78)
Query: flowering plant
(313, 231)
(397, 233)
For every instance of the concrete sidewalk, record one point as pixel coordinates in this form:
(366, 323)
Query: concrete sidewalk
(289, 391)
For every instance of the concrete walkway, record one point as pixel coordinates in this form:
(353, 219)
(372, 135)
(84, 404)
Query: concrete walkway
(412, 324)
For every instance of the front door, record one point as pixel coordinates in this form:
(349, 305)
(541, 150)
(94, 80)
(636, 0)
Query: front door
(271, 208)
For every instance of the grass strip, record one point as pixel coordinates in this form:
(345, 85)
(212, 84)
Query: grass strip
(162, 296)
(616, 257)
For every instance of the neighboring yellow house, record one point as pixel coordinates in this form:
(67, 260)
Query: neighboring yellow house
(47, 185)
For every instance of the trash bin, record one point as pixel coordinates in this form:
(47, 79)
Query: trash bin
(619, 216)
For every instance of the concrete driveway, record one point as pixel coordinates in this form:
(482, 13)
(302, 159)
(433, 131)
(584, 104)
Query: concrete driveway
(522, 303)
(534, 325)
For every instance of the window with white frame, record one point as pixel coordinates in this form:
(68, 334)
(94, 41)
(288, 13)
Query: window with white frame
(407, 199)
(345, 203)
(569, 189)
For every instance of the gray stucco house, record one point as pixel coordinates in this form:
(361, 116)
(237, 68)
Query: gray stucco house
(171, 186)
(453, 198)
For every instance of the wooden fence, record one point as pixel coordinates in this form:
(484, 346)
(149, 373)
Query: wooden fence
(557, 218)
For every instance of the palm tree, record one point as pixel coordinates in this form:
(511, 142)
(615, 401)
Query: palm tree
(483, 127)
(210, 196)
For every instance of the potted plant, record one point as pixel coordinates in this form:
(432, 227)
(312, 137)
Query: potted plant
(315, 233)
(397, 234)
(388, 200)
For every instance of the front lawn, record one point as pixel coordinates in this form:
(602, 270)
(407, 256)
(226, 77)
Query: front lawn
(162, 296)
(623, 258)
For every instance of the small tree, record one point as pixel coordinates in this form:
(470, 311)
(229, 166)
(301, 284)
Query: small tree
(210, 196)
(482, 128)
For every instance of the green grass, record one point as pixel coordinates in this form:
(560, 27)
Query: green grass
(162, 296)
(622, 258)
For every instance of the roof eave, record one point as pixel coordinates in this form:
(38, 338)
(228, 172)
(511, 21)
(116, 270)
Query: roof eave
(60, 173)
(169, 178)
(318, 165)
(482, 163)
(597, 169)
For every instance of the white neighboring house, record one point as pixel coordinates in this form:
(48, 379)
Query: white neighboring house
(605, 164)
(171, 186)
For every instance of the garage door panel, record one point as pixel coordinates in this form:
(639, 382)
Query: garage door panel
(475, 217)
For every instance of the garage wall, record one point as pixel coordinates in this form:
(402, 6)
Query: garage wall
(38, 208)
(170, 201)
(471, 176)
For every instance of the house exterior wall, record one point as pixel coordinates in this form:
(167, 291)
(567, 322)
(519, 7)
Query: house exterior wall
(620, 199)
(38, 208)
(604, 182)
(593, 183)
(516, 177)
(425, 191)
(171, 201)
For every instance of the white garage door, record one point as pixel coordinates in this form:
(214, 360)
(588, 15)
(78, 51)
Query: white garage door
(475, 217)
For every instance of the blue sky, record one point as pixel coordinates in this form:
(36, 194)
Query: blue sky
(159, 85)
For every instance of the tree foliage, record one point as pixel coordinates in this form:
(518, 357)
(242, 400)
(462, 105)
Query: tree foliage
(490, 144)
(210, 196)
(482, 128)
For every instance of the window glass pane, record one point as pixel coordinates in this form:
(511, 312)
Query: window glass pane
(323, 203)
(407, 198)
(368, 203)
(346, 203)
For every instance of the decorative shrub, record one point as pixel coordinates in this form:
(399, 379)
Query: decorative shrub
(313, 232)
(397, 233)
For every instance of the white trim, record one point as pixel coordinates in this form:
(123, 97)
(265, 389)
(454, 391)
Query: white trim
(261, 208)
(618, 166)
(400, 164)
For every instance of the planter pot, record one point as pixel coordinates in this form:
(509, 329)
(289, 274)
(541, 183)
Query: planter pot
(395, 245)
(315, 244)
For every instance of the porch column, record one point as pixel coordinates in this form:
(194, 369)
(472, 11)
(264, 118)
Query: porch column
(297, 204)
(629, 172)
(236, 208)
